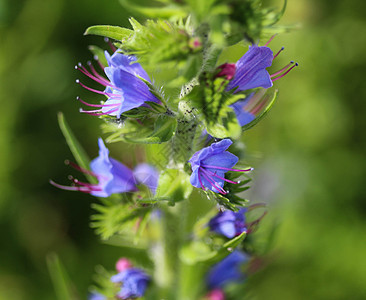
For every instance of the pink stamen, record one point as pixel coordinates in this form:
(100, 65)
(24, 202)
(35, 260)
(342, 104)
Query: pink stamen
(96, 58)
(215, 175)
(295, 65)
(93, 187)
(90, 89)
(282, 48)
(214, 185)
(227, 169)
(96, 105)
(97, 112)
(94, 71)
(110, 44)
(199, 179)
(70, 188)
(270, 40)
(283, 69)
(101, 80)
(76, 167)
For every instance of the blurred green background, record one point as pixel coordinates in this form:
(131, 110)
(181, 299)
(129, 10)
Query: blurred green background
(309, 153)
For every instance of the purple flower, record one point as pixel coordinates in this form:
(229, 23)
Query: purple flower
(229, 223)
(250, 72)
(96, 296)
(113, 176)
(210, 164)
(148, 175)
(124, 89)
(228, 270)
(134, 283)
(250, 69)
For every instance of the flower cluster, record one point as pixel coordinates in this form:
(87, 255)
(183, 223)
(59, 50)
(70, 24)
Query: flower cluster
(131, 108)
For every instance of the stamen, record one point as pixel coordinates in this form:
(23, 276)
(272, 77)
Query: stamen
(97, 112)
(76, 167)
(93, 187)
(283, 69)
(295, 65)
(95, 71)
(282, 48)
(113, 48)
(99, 79)
(270, 40)
(70, 188)
(214, 185)
(200, 180)
(227, 169)
(217, 176)
(96, 58)
(95, 105)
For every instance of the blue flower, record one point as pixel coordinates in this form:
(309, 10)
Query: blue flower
(134, 283)
(148, 175)
(228, 270)
(124, 89)
(250, 69)
(210, 164)
(229, 223)
(250, 72)
(96, 296)
(113, 176)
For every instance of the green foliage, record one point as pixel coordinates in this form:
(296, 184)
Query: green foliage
(117, 218)
(162, 40)
(212, 103)
(175, 185)
(60, 279)
(199, 252)
(141, 132)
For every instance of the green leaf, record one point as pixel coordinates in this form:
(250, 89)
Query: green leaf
(61, 281)
(76, 149)
(113, 32)
(175, 185)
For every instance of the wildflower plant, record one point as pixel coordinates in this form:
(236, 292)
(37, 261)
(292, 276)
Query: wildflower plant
(171, 86)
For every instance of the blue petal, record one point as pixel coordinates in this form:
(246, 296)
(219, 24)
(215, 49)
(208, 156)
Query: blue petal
(126, 63)
(214, 148)
(225, 160)
(228, 270)
(113, 176)
(134, 283)
(250, 69)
